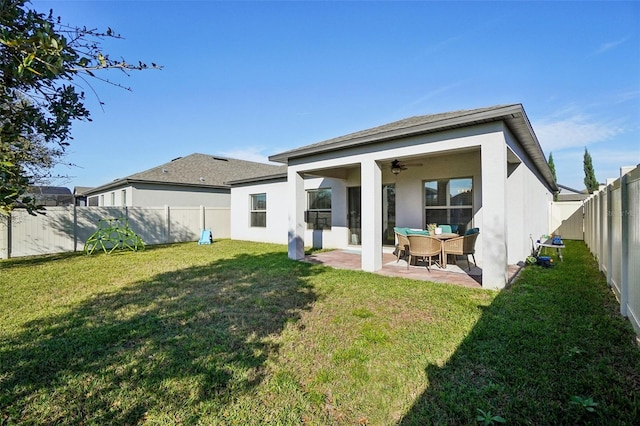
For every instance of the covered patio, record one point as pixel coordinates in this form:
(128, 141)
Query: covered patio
(480, 168)
(454, 274)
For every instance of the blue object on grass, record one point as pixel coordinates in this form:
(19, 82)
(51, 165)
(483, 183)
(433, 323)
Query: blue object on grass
(206, 237)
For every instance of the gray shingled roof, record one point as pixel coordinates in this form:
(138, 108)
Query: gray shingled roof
(404, 127)
(49, 190)
(199, 170)
(512, 115)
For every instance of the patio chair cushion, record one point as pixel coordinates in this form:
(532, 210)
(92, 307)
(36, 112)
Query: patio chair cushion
(417, 232)
(401, 231)
(445, 228)
(472, 231)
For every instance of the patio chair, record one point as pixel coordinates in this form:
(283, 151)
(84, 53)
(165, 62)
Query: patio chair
(402, 245)
(423, 246)
(447, 229)
(464, 246)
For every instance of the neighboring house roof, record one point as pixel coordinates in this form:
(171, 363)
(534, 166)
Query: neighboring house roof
(80, 191)
(513, 115)
(196, 170)
(51, 195)
(569, 194)
(562, 189)
(49, 190)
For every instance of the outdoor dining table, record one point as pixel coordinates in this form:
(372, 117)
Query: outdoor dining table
(443, 237)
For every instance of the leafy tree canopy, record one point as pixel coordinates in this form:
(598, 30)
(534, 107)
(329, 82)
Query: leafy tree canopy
(41, 63)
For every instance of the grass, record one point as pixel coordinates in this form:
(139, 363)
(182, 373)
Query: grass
(236, 334)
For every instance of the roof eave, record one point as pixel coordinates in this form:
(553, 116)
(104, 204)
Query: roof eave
(496, 114)
(122, 182)
(507, 114)
(532, 146)
(258, 179)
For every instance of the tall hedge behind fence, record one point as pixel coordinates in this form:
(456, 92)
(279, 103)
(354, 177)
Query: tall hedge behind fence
(612, 233)
(65, 229)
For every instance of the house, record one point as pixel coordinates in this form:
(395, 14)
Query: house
(194, 180)
(569, 194)
(51, 195)
(479, 168)
(80, 197)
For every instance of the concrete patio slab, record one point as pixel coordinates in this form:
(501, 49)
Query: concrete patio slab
(453, 274)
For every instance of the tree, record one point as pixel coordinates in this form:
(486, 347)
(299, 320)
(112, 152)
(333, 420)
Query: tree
(42, 64)
(552, 166)
(590, 181)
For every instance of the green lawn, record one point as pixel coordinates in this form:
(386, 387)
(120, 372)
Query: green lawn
(235, 333)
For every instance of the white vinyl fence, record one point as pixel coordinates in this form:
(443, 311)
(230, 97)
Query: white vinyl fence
(65, 229)
(612, 233)
(566, 219)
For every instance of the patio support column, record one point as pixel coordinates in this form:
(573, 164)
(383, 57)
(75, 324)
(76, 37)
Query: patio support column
(371, 216)
(493, 229)
(295, 190)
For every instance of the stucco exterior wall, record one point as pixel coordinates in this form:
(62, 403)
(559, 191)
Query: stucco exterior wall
(277, 204)
(410, 188)
(338, 235)
(529, 201)
(149, 195)
(276, 230)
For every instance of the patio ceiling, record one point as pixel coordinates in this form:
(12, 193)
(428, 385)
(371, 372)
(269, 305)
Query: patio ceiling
(343, 171)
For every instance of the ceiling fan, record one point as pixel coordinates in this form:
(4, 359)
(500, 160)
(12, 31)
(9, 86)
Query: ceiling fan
(397, 166)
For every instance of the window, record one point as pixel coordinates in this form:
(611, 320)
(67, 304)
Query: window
(113, 198)
(449, 201)
(318, 215)
(259, 210)
(123, 197)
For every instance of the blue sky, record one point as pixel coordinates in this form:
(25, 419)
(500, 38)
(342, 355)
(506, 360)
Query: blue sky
(251, 79)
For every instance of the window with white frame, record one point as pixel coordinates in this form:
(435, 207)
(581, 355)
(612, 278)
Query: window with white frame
(449, 201)
(318, 214)
(258, 210)
(123, 197)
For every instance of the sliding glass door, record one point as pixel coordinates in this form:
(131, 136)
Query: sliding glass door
(354, 204)
(388, 213)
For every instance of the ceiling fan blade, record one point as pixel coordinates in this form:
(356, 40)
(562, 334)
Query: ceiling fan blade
(402, 165)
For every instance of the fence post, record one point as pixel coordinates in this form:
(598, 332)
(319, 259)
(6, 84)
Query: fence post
(609, 227)
(167, 227)
(6, 254)
(603, 228)
(624, 272)
(75, 228)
